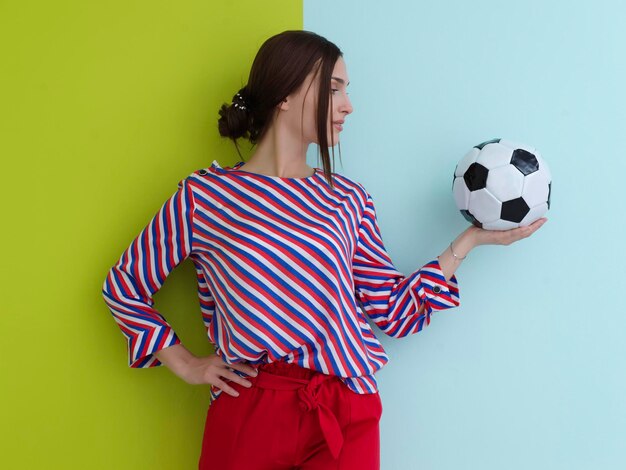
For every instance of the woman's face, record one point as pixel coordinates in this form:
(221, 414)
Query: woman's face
(306, 98)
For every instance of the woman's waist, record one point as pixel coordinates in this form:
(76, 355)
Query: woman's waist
(288, 369)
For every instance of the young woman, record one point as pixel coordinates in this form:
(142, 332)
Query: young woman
(289, 262)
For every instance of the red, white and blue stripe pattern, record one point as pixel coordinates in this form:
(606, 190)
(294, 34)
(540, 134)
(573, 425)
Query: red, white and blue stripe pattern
(287, 269)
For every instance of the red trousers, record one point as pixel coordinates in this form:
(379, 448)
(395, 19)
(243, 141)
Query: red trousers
(292, 418)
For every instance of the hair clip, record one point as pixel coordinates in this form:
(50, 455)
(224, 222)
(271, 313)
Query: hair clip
(240, 106)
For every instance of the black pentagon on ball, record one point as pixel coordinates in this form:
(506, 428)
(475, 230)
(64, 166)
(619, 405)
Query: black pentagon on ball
(514, 210)
(549, 192)
(481, 145)
(524, 161)
(476, 177)
(470, 218)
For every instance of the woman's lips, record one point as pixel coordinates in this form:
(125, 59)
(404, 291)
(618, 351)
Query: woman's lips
(339, 127)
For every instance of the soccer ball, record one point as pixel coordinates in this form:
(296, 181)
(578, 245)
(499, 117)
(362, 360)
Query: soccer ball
(500, 185)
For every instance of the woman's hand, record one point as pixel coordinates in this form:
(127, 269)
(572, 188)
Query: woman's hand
(481, 236)
(474, 236)
(213, 371)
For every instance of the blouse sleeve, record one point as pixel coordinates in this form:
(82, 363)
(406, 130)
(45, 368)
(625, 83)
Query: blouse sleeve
(140, 272)
(390, 298)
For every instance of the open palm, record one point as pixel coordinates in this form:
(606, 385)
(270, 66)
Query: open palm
(504, 237)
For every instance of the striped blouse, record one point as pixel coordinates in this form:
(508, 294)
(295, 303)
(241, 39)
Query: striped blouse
(287, 269)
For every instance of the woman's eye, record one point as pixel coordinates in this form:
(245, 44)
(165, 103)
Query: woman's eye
(335, 89)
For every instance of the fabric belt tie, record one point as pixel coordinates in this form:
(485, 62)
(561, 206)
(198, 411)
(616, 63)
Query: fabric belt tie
(307, 390)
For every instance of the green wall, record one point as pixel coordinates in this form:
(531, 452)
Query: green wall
(104, 108)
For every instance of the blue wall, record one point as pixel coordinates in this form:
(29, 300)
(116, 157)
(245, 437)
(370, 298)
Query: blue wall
(529, 372)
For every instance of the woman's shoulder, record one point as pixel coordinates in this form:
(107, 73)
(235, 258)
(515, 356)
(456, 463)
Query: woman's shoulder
(201, 174)
(206, 171)
(350, 184)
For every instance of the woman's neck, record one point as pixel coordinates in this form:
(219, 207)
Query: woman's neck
(279, 154)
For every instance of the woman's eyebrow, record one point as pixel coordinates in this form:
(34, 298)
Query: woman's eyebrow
(340, 80)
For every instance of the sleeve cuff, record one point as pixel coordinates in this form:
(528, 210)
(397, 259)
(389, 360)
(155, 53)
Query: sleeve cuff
(431, 286)
(141, 348)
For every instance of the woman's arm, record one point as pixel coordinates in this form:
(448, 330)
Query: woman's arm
(399, 304)
(141, 270)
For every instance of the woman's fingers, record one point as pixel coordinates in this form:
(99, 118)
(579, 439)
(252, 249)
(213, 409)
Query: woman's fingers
(228, 374)
(233, 377)
(242, 367)
(225, 387)
(511, 236)
(506, 237)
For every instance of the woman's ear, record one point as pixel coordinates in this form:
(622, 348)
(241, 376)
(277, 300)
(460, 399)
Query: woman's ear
(284, 105)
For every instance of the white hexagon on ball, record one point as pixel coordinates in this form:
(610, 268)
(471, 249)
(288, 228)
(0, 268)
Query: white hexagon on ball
(461, 193)
(500, 225)
(505, 182)
(535, 190)
(484, 206)
(494, 155)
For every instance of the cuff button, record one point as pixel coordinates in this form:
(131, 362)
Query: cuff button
(436, 289)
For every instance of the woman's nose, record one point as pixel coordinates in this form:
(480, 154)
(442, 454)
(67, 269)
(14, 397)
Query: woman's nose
(348, 106)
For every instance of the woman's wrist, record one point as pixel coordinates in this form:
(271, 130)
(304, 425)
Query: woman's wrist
(177, 358)
(450, 259)
(456, 257)
(463, 244)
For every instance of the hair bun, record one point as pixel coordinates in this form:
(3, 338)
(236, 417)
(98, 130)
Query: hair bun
(234, 121)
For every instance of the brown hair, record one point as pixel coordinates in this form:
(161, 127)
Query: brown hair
(279, 69)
